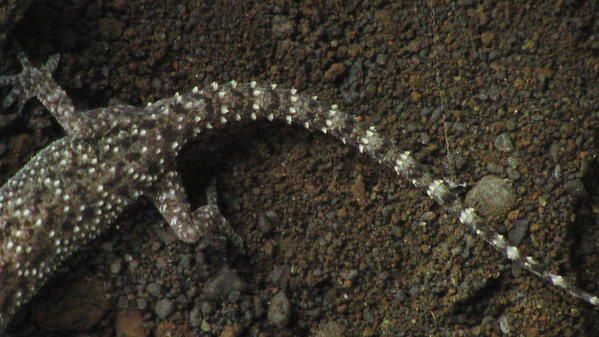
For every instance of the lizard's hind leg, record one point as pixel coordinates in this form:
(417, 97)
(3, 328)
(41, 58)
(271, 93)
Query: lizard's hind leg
(190, 226)
(211, 215)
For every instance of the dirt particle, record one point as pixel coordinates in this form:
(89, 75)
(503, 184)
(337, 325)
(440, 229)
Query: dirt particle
(415, 96)
(119, 5)
(358, 190)
(334, 72)
(330, 329)
(487, 38)
(110, 28)
(169, 329)
(414, 46)
(231, 331)
(282, 26)
(129, 323)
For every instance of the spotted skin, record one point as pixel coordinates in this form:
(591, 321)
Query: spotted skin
(74, 189)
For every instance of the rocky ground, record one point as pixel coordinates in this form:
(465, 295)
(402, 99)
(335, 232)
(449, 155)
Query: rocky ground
(336, 246)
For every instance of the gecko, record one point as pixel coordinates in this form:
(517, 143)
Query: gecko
(73, 190)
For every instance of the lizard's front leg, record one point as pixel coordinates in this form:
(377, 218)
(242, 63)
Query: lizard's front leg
(171, 201)
(38, 82)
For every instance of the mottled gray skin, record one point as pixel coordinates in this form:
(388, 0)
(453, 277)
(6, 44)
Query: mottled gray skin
(74, 189)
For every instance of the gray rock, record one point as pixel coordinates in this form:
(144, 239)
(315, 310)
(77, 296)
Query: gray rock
(116, 266)
(575, 188)
(513, 161)
(513, 174)
(351, 85)
(330, 329)
(277, 274)
(184, 262)
(142, 304)
(282, 26)
(279, 310)
(164, 308)
(492, 197)
(206, 308)
(554, 151)
(264, 224)
(494, 168)
(504, 324)
(155, 289)
(223, 284)
(504, 143)
(351, 274)
(182, 299)
(195, 317)
(516, 235)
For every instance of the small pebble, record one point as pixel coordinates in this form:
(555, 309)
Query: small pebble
(575, 188)
(129, 323)
(155, 289)
(492, 196)
(516, 235)
(504, 143)
(164, 308)
(223, 284)
(195, 317)
(116, 265)
(334, 72)
(142, 304)
(279, 310)
(231, 331)
(330, 329)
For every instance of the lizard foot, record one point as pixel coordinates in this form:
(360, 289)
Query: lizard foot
(209, 216)
(30, 82)
(191, 226)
